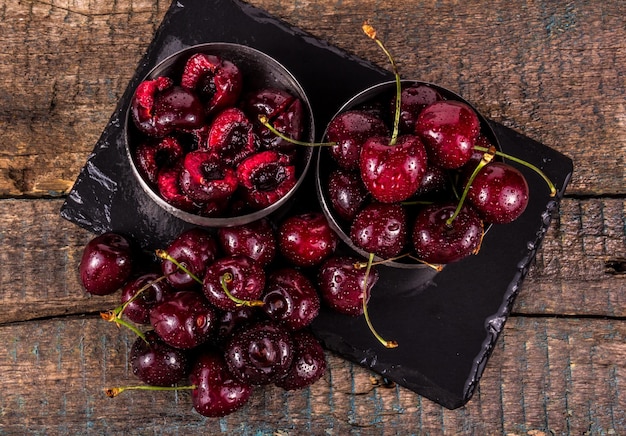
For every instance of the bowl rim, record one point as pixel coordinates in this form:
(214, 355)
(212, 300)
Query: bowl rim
(250, 53)
(361, 97)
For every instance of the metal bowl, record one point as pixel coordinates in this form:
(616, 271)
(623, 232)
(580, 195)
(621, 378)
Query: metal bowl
(368, 98)
(259, 71)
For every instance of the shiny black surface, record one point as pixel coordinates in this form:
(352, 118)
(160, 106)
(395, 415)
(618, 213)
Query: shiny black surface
(446, 324)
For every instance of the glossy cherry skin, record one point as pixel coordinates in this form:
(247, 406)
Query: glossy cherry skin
(499, 193)
(449, 130)
(156, 363)
(342, 282)
(260, 354)
(306, 239)
(350, 130)
(152, 156)
(184, 320)
(439, 243)
(246, 281)
(217, 393)
(168, 185)
(232, 136)
(392, 173)
(413, 99)
(217, 81)
(206, 177)
(346, 193)
(309, 362)
(380, 228)
(195, 249)
(255, 240)
(106, 263)
(230, 321)
(290, 299)
(154, 289)
(266, 177)
(143, 106)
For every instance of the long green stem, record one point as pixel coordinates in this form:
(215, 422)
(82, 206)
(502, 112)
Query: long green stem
(487, 157)
(114, 392)
(111, 316)
(385, 342)
(162, 254)
(526, 164)
(227, 278)
(120, 310)
(263, 120)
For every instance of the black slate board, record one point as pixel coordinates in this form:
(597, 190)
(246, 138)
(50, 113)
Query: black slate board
(446, 324)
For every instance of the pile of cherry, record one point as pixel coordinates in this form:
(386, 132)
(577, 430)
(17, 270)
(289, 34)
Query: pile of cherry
(227, 310)
(200, 144)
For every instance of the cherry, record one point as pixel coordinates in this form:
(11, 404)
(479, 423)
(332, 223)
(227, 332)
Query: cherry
(266, 177)
(184, 320)
(244, 279)
(342, 281)
(217, 393)
(206, 177)
(232, 136)
(306, 239)
(499, 193)
(152, 156)
(141, 294)
(156, 363)
(439, 242)
(142, 107)
(449, 129)
(346, 192)
(230, 321)
(309, 362)
(260, 354)
(413, 99)
(168, 184)
(349, 130)
(380, 228)
(106, 263)
(255, 240)
(290, 299)
(434, 181)
(392, 172)
(217, 81)
(195, 249)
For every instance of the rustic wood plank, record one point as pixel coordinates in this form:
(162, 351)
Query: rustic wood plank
(551, 71)
(550, 375)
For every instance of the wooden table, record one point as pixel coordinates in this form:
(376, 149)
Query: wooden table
(555, 71)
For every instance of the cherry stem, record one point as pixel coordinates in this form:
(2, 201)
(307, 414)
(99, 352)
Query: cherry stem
(435, 266)
(228, 278)
(385, 342)
(487, 157)
(114, 392)
(526, 164)
(263, 120)
(120, 310)
(370, 31)
(112, 316)
(162, 254)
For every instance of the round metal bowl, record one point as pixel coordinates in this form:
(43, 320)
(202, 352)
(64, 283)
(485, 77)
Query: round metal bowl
(379, 93)
(259, 71)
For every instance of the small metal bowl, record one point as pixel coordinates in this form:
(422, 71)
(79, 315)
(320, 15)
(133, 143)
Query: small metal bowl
(259, 71)
(382, 92)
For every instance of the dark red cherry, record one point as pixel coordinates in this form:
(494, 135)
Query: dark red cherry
(145, 291)
(195, 249)
(168, 185)
(205, 177)
(143, 106)
(232, 136)
(346, 192)
(309, 362)
(106, 263)
(392, 173)
(499, 193)
(266, 177)
(380, 228)
(156, 363)
(341, 282)
(434, 181)
(260, 354)
(217, 393)
(244, 279)
(306, 239)
(290, 299)
(217, 81)
(255, 240)
(435, 241)
(178, 108)
(350, 130)
(230, 321)
(449, 130)
(184, 320)
(151, 156)
(413, 99)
